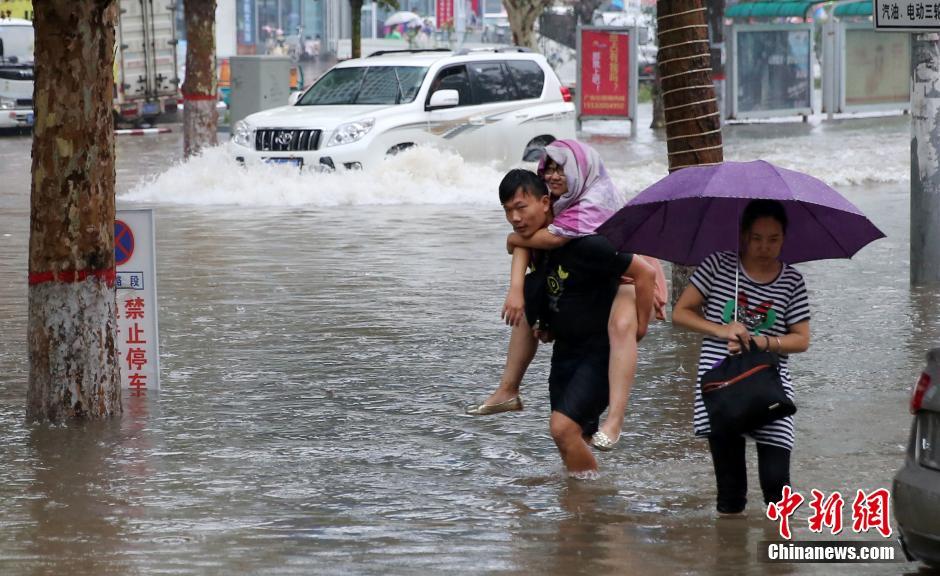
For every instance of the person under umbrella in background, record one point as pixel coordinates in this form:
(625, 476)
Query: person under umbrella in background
(772, 314)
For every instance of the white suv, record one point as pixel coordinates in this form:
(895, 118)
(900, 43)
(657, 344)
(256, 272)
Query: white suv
(486, 105)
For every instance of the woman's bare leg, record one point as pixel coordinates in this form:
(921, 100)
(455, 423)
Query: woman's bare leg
(621, 372)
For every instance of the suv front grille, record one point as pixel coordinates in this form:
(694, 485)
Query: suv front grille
(285, 140)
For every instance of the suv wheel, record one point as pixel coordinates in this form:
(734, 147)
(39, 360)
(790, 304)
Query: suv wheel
(397, 148)
(535, 149)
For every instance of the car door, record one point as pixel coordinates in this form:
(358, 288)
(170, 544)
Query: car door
(502, 113)
(457, 128)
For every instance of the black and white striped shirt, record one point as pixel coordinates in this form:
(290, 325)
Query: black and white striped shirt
(768, 309)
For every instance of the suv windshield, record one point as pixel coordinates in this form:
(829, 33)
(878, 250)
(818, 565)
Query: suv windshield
(379, 85)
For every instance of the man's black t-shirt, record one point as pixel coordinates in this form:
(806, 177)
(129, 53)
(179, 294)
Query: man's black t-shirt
(571, 289)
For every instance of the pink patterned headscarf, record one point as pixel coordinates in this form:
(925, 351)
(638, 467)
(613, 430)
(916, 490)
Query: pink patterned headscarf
(591, 198)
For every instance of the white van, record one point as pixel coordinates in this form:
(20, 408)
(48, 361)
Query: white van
(16, 73)
(486, 105)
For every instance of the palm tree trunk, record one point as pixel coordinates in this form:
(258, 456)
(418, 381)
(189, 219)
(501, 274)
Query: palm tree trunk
(693, 124)
(73, 359)
(200, 96)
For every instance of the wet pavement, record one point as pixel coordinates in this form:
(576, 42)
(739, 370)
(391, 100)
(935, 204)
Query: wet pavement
(321, 334)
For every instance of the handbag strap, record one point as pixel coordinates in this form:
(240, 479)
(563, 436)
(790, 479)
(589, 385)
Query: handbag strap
(713, 386)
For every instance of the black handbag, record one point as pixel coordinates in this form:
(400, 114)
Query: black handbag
(744, 392)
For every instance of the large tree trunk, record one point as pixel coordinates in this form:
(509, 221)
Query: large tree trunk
(522, 16)
(693, 123)
(200, 90)
(73, 362)
(356, 41)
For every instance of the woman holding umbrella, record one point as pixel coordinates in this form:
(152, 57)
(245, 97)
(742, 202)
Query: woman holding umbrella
(691, 217)
(773, 315)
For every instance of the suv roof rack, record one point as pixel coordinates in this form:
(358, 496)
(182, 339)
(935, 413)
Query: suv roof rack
(498, 50)
(408, 51)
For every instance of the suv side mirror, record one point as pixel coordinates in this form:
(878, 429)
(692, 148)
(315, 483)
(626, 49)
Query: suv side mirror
(294, 97)
(444, 99)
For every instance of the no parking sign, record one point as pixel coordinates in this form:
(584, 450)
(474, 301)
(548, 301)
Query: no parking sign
(135, 280)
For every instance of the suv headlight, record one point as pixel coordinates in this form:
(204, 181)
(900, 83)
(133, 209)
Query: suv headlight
(242, 134)
(351, 132)
(7, 103)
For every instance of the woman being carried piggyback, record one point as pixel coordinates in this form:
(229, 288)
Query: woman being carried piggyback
(584, 197)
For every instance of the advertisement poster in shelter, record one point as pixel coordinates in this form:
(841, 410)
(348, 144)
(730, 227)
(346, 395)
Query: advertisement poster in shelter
(877, 67)
(773, 70)
(604, 80)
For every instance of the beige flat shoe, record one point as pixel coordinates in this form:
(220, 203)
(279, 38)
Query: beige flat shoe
(603, 442)
(511, 405)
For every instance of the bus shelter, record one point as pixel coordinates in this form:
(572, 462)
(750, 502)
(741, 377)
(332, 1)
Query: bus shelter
(864, 70)
(770, 60)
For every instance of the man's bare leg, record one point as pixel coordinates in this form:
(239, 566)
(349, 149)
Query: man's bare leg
(569, 438)
(621, 372)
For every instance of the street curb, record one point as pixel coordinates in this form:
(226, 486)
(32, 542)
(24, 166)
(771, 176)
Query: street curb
(142, 131)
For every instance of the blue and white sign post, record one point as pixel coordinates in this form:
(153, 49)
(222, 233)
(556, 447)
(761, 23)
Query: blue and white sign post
(136, 284)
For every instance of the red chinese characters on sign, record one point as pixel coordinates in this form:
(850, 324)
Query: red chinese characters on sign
(445, 13)
(782, 510)
(136, 357)
(604, 81)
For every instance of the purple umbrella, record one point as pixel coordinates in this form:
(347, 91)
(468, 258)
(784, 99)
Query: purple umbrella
(695, 211)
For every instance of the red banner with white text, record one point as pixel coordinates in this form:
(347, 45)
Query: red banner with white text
(604, 81)
(445, 13)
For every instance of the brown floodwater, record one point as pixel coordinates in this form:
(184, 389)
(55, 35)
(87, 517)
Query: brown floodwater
(316, 357)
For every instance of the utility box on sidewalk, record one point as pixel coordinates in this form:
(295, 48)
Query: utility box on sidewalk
(258, 83)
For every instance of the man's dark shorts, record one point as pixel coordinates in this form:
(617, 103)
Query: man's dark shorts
(578, 385)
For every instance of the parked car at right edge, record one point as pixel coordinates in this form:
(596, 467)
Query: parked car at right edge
(916, 491)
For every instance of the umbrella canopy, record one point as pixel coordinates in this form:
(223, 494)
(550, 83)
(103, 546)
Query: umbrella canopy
(403, 17)
(695, 211)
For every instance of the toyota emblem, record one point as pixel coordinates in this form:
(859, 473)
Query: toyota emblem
(284, 138)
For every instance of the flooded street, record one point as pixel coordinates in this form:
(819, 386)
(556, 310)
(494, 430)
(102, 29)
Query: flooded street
(321, 335)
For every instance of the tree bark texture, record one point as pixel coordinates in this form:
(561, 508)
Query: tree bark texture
(73, 363)
(200, 89)
(356, 41)
(656, 93)
(693, 122)
(522, 16)
(925, 159)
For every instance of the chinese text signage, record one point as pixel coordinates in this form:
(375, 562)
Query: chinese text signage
(906, 15)
(604, 81)
(135, 282)
(445, 13)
